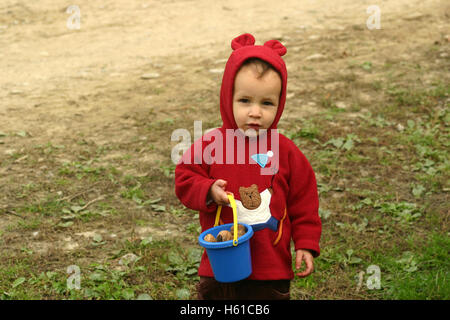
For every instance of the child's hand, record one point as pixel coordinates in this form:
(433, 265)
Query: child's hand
(217, 192)
(301, 255)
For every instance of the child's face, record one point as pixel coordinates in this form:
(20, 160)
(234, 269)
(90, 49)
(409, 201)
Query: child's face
(255, 101)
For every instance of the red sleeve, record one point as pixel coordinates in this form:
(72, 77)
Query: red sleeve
(192, 182)
(303, 204)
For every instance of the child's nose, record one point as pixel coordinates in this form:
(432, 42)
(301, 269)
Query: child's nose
(255, 111)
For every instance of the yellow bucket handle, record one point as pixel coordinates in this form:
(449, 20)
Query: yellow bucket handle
(233, 206)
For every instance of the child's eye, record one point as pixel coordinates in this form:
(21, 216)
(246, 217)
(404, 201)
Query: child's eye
(268, 103)
(244, 100)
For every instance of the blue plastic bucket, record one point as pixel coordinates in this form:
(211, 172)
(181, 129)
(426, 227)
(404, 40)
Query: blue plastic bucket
(229, 263)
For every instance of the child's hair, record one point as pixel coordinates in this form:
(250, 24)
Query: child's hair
(261, 66)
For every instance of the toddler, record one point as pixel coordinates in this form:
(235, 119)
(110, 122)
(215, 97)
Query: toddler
(272, 181)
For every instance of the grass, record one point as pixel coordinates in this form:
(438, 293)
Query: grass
(419, 272)
(382, 171)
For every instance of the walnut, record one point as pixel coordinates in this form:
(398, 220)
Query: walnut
(209, 238)
(241, 230)
(224, 235)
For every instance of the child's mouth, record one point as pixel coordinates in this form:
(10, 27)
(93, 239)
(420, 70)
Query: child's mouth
(254, 126)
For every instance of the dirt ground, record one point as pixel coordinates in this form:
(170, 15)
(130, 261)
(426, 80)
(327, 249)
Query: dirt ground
(57, 81)
(142, 64)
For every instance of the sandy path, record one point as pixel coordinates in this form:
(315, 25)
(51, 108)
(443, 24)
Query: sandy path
(48, 70)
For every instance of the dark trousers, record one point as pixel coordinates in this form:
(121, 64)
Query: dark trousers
(210, 289)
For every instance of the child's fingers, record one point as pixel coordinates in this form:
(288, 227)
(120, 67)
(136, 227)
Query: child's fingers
(298, 259)
(224, 197)
(309, 268)
(218, 192)
(221, 183)
(220, 197)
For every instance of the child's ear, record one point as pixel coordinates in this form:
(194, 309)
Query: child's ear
(277, 46)
(243, 40)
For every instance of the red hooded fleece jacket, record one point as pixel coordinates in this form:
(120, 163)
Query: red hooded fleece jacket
(272, 181)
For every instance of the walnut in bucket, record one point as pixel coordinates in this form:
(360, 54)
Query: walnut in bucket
(209, 238)
(241, 230)
(224, 235)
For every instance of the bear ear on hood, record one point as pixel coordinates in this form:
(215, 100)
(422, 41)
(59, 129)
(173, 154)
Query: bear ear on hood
(277, 46)
(243, 40)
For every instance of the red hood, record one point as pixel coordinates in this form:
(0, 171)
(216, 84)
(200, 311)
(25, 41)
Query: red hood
(243, 49)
